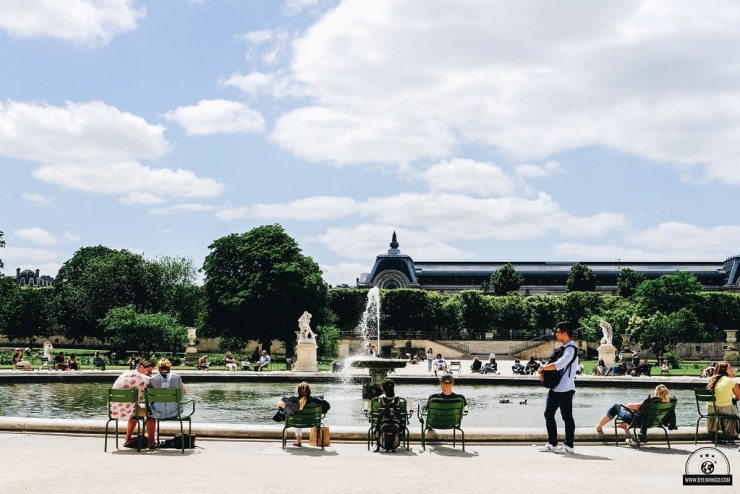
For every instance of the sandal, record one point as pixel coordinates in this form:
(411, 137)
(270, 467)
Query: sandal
(297, 445)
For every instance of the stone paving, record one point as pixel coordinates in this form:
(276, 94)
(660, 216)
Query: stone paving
(54, 463)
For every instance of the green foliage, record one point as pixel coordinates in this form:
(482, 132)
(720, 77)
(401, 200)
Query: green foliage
(406, 310)
(668, 294)
(327, 340)
(257, 285)
(616, 311)
(347, 304)
(581, 279)
(575, 306)
(97, 279)
(509, 312)
(662, 332)
(506, 280)
(544, 311)
(476, 311)
(672, 360)
(26, 313)
(719, 311)
(143, 333)
(180, 297)
(628, 281)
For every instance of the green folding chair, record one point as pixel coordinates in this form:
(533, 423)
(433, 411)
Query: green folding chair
(705, 397)
(171, 395)
(310, 416)
(442, 414)
(122, 396)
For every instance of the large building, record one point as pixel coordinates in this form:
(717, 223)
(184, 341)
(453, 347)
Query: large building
(397, 270)
(32, 278)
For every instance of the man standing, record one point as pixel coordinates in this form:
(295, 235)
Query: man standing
(561, 396)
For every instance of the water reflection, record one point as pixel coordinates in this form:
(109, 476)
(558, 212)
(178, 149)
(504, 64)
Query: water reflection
(254, 403)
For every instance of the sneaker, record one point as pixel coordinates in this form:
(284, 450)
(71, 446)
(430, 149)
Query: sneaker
(561, 450)
(631, 442)
(547, 448)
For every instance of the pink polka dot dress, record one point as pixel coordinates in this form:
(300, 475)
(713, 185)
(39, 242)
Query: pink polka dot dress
(128, 380)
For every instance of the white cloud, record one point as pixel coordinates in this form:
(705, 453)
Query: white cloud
(292, 7)
(36, 235)
(232, 213)
(37, 199)
(25, 256)
(528, 79)
(311, 208)
(42, 237)
(527, 170)
(665, 242)
(189, 207)
(343, 272)
(88, 23)
(140, 198)
(94, 147)
(469, 176)
(217, 116)
(250, 84)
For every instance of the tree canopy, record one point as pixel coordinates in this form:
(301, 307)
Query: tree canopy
(668, 294)
(506, 280)
(627, 282)
(581, 279)
(127, 329)
(257, 285)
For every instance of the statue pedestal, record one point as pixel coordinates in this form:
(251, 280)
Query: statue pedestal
(306, 356)
(607, 353)
(731, 353)
(191, 355)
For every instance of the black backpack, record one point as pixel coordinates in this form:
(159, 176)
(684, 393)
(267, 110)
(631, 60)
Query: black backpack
(390, 425)
(550, 379)
(177, 441)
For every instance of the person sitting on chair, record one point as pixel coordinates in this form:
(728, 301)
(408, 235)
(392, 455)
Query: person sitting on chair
(245, 363)
(518, 368)
(440, 364)
(490, 367)
(532, 366)
(600, 369)
(229, 361)
(477, 365)
(165, 380)
(59, 363)
(19, 362)
(294, 404)
(139, 379)
(203, 363)
(627, 412)
(72, 362)
(617, 370)
(263, 362)
(445, 384)
(725, 390)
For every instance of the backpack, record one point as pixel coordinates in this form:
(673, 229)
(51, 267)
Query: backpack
(550, 379)
(177, 441)
(390, 425)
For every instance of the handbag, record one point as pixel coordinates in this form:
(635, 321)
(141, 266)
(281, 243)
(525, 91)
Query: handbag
(313, 438)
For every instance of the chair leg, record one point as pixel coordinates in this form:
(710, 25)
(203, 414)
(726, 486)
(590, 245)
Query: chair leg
(462, 435)
(637, 437)
(666, 437)
(696, 433)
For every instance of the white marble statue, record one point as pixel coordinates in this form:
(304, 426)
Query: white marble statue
(304, 327)
(608, 332)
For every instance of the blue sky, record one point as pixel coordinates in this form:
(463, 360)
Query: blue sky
(478, 130)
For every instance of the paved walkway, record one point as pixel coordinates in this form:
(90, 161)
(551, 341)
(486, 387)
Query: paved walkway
(76, 463)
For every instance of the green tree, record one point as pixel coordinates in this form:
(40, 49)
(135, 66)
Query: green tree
(667, 294)
(405, 310)
(544, 311)
(28, 313)
(616, 311)
(144, 333)
(581, 279)
(327, 340)
(175, 277)
(628, 281)
(347, 304)
(476, 312)
(662, 332)
(97, 279)
(509, 312)
(506, 280)
(719, 311)
(257, 285)
(578, 305)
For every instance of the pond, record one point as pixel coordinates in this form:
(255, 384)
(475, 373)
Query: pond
(254, 403)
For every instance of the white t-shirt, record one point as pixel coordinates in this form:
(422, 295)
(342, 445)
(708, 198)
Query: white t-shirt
(568, 381)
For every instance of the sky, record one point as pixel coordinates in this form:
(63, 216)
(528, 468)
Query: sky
(521, 130)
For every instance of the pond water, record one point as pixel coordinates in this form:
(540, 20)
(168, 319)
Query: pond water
(254, 403)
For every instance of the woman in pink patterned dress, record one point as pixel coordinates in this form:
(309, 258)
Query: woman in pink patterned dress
(139, 379)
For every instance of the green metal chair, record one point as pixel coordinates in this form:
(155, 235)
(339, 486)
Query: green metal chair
(706, 397)
(171, 395)
(373, 414)
(122, 396)
(310, 416)
(656, 413)
(442, 414)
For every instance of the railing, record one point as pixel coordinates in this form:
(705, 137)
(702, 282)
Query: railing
(526, 345)
(464, 349)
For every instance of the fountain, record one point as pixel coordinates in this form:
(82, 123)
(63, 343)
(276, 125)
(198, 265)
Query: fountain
(378, 367)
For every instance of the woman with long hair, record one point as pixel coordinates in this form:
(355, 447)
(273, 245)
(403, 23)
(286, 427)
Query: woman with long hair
(725, 389)
(294, 404)
(627, 412)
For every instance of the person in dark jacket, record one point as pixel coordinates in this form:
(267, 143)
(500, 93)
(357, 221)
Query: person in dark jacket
(294, 404)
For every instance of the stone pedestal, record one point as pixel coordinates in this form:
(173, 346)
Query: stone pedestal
(607, 353)
(191, 352)
(306, 356)
(626, 353)
(731, 353)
